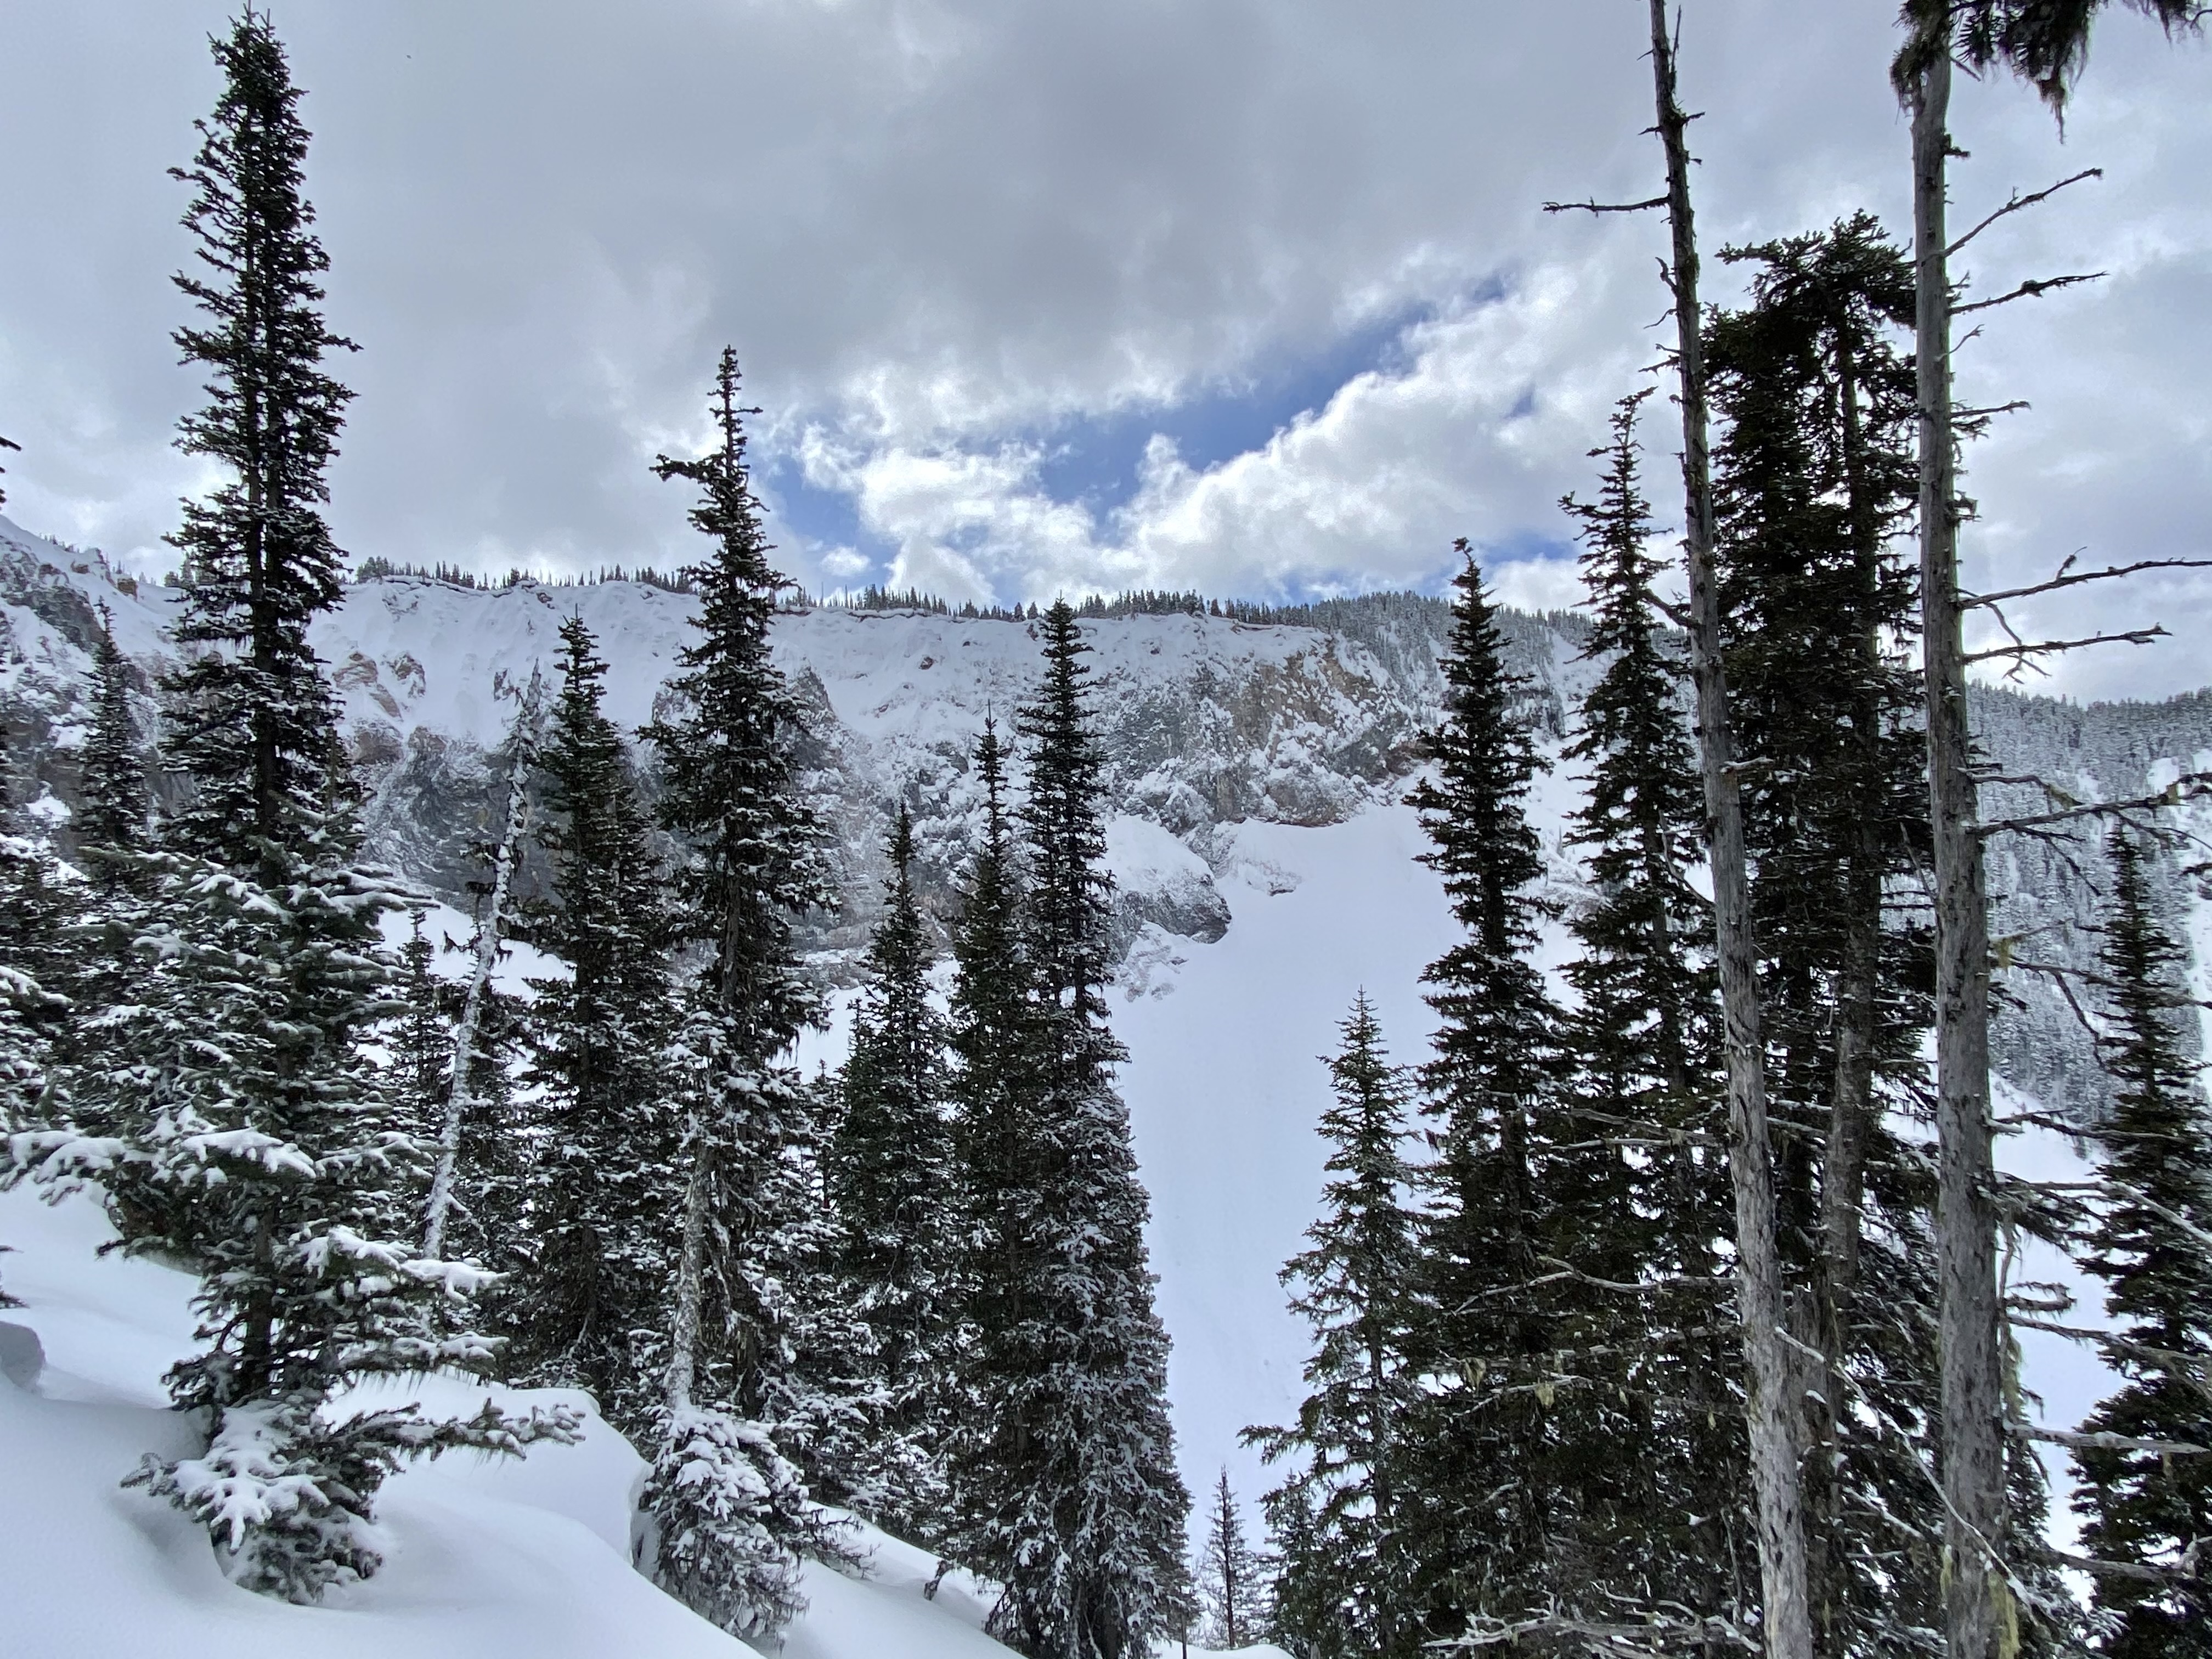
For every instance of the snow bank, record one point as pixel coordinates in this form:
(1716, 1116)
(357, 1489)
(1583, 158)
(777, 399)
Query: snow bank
(506, 1559)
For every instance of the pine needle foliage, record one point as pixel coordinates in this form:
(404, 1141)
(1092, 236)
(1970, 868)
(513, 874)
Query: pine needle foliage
(1232, 1580)
(1343, 1580)
(888, 1171)
(589, 1308)
(2145, 1507)
(753, 1326)
(1487, 1499)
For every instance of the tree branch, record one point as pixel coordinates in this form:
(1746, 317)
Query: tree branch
(2029, 290)
(2046, 647)
(2016, 202)
(1605, 207)
(1968, 601)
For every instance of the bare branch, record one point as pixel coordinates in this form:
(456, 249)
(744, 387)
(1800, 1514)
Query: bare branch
(1983, 413)
(2189, 786)
(2017, 201)
(1968, 601)
(2046, 647)
(2108, 1442)
(2181, 1573)
(1605, 207)
(2029, 290)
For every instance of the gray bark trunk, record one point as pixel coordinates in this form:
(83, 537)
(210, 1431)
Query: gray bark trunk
(1977, 1602)
(690, 1278)
(458, 1099)
(1774, 1419)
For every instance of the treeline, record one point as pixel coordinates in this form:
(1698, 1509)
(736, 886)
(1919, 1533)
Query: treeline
(376, 568)
(916, 1289)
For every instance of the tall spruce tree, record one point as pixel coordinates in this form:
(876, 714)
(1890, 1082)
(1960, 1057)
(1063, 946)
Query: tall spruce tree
(731, 1511)
(2143, 1507)
(1343, 1584)
(1644, 1041)
(112, 819)
(1813, 480)
(231, 1092)
(589, 1307)
(889, 1172)
(250, 717)
(1069, 1494)
(1232, 1580)
(1504, 1478)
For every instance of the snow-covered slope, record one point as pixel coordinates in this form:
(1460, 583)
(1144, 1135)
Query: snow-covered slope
(1256, 772)
(486, 1560)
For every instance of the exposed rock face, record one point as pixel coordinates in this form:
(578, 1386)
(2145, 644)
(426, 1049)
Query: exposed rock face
(1205, 722)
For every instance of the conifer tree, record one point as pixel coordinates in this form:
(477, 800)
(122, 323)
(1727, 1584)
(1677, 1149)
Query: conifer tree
(997, 1144)
(1343, 1582)
(113, 816)
(1068, 1494)
(230, 1098)
(589, 1308)
(1494, 1488)
(1814, 479)
(889, 1175)
(730, 1512)
(1231, 1578)
(250, 717)
(2141, 1506)
(1117, 1504)
(1644, 1040)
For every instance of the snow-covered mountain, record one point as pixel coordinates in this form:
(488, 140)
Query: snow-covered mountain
(1268, 869)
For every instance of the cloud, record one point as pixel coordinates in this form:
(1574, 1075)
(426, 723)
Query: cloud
(953, 238)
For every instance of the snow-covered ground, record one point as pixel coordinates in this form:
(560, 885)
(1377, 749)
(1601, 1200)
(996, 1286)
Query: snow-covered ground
(523, 1559)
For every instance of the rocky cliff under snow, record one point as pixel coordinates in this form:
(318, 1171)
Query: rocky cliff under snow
(1208, 723)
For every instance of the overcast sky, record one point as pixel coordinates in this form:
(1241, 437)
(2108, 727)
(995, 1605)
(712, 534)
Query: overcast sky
(1254, 296)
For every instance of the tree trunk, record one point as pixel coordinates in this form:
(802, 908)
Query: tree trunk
(1977, 1603)
(1774, 1421)
(690, 1277)
(458, 1098)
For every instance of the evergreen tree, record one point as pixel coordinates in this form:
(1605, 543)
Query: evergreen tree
(1644, 1040)
(1492, 1495)
(229, 1099)
(889, 1175)
(113, 816)
(1343, 1582)
(1070, 1496)
(1814, 479)
(250, 717)
(589, 1308)
(1232, 1581)
(2141, 1506)
(745, 1333)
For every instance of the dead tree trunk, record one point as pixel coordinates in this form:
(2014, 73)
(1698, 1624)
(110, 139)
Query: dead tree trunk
(458, 1098)
(1775, 1421)
(1976, 1601)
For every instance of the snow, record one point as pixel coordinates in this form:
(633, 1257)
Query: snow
(487, 1559)
(1225, 1086)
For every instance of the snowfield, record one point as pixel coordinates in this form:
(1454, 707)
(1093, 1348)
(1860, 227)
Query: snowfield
(507, 1558)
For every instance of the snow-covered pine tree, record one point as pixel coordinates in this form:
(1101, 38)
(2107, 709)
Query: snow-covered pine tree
(32, 912)
(1232, 1580)
(2152, 1245)
(111, 816)
(590, 1306)
(888, 1177)
(1496, 1488)
(1644, 1041)
(231, 1089)
(1343, 1583)
(1091, 1542)
(730, 1516)
(994, 1096)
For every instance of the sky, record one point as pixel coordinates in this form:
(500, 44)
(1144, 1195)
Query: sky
(1252, 296)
